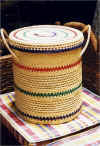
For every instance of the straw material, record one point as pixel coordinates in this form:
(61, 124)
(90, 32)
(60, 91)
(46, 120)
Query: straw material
(45, 38)
(6, 74)
(54, 120)
(83, 27)
(48, 80)
(44, 92)
(45, 109)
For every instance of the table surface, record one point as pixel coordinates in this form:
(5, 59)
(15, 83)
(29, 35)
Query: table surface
(36, 133)
(90, 137)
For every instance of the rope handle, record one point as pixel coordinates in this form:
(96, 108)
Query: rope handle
(87, 29)
(88, 39)
(83, 27)
(4, 36)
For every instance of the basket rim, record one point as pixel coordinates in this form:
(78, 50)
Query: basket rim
(56, 45)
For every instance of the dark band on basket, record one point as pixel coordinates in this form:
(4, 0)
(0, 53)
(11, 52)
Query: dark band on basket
(35, 50)
(63, 93)
(49, 118)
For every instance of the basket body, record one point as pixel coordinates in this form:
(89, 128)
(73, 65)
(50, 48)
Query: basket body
(48, 89)
(48, 85)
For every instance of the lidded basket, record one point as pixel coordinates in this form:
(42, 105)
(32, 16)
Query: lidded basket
(47, 72)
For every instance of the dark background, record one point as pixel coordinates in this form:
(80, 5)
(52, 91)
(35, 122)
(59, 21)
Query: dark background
(21, 13)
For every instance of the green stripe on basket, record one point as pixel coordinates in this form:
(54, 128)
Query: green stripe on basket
(48, 94)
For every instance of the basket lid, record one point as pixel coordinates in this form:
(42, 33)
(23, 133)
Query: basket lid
(46, 38)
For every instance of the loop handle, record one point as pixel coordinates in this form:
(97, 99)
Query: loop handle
(88, 39)
(3, 35)
(87, 28)
(84, 28)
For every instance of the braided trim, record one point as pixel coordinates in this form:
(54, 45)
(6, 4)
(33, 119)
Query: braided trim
(48, 94)
(33, 69)
(48, 118)
(39, 50)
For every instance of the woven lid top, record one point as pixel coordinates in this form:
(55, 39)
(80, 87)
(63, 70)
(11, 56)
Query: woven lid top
(50, 36)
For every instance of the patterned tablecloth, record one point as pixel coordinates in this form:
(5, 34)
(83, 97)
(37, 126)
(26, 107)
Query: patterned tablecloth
(88, 138)
(34, 133)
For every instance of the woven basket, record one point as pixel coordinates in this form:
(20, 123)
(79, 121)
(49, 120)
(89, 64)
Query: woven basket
(47, 72)
(6, 74)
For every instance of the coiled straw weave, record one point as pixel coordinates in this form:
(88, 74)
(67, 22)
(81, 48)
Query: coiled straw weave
(48, 77)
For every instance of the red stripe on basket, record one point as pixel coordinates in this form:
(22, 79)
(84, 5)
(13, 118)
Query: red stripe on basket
(19, 122)
(47, 69)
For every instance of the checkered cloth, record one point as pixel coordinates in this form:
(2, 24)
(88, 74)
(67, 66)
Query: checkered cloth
(88, 138)
(33, 133)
